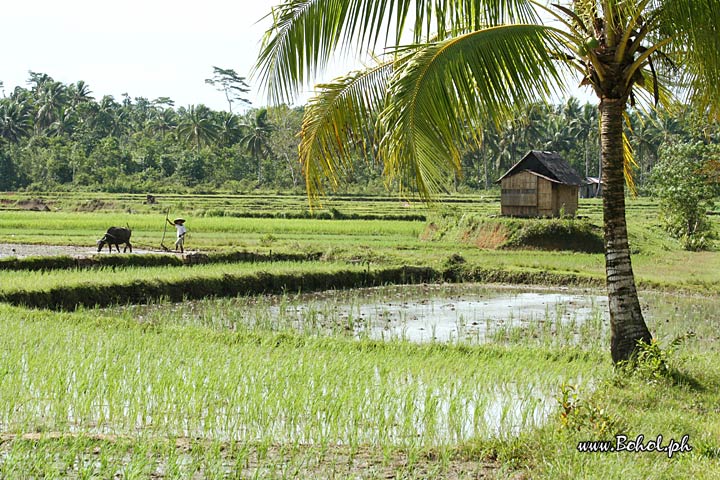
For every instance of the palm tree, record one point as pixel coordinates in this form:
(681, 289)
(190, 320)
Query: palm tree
(558, 136)
(162, 120)
(469, 63)
(584, 126)
(229, 131)
(646, 139)
(64, 124)
(108, 118)
(51, 100)
(15, 122)
(78, 93)
(196, 127)
(257, 138)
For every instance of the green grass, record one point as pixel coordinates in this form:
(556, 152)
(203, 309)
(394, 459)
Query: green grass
(29, 281)
(682, 402)
(685, 404)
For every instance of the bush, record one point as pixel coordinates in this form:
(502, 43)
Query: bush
(582, 414)
(682, 183)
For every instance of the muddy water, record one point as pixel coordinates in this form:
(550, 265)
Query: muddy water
(454, 313)
(21, 250)
(467, 313)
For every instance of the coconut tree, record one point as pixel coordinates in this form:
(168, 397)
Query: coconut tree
(471, 63)
(79, 92)
(162, 120)
(257, 138)
(15, 121)
(108, 117)
(196, 127)
(584, 124)
(51, 101)
(229, 128)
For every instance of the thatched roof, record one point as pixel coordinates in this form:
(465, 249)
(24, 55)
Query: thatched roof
(549, 165)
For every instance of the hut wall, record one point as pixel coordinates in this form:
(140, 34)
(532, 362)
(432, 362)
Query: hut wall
(519, 195)
(546, 198)
(591, 190)
(565, 197)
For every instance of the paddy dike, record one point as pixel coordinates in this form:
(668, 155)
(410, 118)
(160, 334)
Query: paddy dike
(225, 284)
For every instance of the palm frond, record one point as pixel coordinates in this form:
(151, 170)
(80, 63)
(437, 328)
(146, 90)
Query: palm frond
(654, 91)
(629, 163)
(447, 91)
(305, 33)
(634, 13)
(629, 166)
(695, 47)
(576, 24)
(338, 126)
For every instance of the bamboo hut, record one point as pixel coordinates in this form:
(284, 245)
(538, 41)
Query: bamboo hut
(592, 188)
(542, 184)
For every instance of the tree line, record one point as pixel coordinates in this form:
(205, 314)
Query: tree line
(59, 136)
(56, 136)
(572, 130)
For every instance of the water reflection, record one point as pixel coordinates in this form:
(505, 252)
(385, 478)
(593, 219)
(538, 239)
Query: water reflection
(463, 314)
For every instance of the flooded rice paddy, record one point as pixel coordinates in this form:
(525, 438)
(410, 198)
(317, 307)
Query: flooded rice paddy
(417, 313)
(488, 403)
(191, 376)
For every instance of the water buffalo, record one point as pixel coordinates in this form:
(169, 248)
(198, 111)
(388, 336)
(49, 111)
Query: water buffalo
(116, 236)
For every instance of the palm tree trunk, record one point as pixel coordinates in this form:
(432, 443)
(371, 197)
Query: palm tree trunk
(486, 171)
(259, 170)
(627, 326)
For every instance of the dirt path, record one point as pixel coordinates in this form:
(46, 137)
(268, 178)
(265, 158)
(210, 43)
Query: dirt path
(23, 250)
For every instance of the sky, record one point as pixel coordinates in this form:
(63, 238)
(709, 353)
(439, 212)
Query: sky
(145, 48)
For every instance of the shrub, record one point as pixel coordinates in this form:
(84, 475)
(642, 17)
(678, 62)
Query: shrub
(682, 184)
(580, 414)
(653, 363)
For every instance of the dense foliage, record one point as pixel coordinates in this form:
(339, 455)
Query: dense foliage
(686, 183)
(56, 136)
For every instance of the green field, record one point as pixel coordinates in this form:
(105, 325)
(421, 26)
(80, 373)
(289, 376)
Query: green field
(278, 384)
(658, 260)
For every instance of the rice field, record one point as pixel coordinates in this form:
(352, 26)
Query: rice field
(433, 380)
(148, 389)
(106, 374)
(658, 260)
(204, 233)
(464, 314)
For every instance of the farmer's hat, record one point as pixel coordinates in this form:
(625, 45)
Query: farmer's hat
(179, 220)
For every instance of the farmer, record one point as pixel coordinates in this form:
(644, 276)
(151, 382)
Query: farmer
(179, 224)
